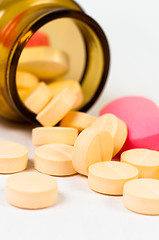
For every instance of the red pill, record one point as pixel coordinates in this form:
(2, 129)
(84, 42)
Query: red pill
(141, 116)
(39, 39)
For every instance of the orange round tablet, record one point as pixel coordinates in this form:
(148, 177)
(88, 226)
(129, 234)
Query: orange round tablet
(78, 120)
(116, 127)
(142, 196)
(145, 160)
(26, 80)
(48, 135)
(54, 159)
(110, 177)
(57, 86)
(31, 190)
(57, 108)
(45, 62)
(91, 146)
(13, 157)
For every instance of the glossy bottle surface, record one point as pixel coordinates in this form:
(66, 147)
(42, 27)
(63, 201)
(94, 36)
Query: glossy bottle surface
(19, 20)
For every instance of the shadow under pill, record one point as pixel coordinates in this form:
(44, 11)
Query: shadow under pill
(30, 165)
(115, 202)
(61, 198)
(3, 202)
(80, 183)
(13, 125)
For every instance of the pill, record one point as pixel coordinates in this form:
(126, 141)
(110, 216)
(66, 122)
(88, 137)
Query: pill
(110, 177)
(142, 196)
(47, 135)
(116, 127)
(13, 157)
(57, 86)
(54, 159)
(79, 120)
(38, 39)
(141, 116)
(44, 62)
(30, 190)
(145, 160)
(91, 146)
(26, 81)
(23, 94)
(57, 108)
(38, 98)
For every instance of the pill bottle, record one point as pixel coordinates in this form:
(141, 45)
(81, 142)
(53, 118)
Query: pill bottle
(74, 31)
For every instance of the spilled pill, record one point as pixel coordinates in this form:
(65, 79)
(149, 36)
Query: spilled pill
(54, 159)
(47, 135)
(91, 146)
(57, 108)
(79, 120)
(13, 157)
(142, 196)
(38, 98)
(31, 190)
(110, 177)
(116, 127)
(145, 160)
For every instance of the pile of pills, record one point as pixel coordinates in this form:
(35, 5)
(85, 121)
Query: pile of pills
(81, 143)
(88, 150)
(40, 82)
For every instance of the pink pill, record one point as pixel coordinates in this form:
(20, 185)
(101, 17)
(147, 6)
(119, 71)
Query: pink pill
(39, 39)
(142, 118)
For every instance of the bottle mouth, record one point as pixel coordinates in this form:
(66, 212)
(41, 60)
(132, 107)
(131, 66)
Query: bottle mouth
(97, 62)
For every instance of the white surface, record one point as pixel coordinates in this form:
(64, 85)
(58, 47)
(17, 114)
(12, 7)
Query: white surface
(132, 30)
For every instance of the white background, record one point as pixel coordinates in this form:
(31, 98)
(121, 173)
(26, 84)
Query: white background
(132, 28)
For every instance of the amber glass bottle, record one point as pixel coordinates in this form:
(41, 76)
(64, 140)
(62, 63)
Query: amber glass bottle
(19, 20)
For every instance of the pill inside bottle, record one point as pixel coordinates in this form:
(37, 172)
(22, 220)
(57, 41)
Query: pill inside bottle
(55, 60)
